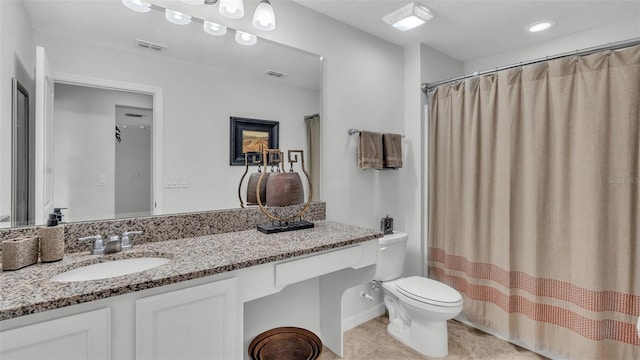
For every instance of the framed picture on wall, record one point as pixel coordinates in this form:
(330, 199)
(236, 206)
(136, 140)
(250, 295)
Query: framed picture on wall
(251, 135)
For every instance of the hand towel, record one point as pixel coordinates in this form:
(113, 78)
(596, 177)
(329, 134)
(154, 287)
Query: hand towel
(392, 150)
(370, 150)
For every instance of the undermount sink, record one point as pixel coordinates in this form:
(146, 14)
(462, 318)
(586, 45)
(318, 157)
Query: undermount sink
(109, 269)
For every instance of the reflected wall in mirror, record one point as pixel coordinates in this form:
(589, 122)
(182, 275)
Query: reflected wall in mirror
(197, 83)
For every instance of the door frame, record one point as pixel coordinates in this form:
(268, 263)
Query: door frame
(16, 89)
(157, 133)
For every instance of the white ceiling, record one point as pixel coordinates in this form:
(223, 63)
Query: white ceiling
(471, 29)
(110, 23)
(463, 29)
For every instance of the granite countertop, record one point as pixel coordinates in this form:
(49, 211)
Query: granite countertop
(29, 290)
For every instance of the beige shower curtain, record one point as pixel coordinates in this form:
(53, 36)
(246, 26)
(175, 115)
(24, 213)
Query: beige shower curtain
(534, 201)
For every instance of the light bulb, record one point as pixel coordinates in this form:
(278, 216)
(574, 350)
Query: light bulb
(137, 5)
(212, 28)
(176, 17)
(408, 23)
(233, 9)
(244, 38)
(540, 26)
(264, 17)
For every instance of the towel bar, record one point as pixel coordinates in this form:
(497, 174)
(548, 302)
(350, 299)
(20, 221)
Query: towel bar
(356, 131)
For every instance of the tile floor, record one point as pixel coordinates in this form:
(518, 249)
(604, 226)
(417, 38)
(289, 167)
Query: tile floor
(371, 341)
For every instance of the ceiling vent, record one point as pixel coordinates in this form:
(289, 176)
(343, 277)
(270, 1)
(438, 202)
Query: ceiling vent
(275, 73)
(150, 45)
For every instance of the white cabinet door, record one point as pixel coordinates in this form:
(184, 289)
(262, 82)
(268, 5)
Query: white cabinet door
(200, 322)
(82, 336)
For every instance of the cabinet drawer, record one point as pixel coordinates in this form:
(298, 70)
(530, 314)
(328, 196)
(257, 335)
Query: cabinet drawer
(302, 269)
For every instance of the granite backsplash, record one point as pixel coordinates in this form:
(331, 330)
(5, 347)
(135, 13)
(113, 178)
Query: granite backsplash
(169, 227)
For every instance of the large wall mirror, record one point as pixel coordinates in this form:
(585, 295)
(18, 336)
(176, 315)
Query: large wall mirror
(138, 108)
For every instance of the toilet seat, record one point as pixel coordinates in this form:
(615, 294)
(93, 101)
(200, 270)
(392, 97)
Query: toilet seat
(429, 291)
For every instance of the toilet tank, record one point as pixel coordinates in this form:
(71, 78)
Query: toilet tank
(391, 254)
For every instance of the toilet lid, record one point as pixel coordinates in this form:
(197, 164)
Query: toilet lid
(428, 291)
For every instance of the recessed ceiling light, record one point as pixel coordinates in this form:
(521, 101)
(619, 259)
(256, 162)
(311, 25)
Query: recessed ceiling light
(408, 17)
(541, 26)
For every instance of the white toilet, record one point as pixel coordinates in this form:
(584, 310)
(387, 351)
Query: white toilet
(418, 307)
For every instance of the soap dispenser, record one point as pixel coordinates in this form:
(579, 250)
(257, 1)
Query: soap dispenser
(51, 240)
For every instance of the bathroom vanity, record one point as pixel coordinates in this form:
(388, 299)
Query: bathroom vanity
(191, 307)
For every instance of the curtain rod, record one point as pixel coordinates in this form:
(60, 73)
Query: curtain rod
(583, 52)
(311, 116)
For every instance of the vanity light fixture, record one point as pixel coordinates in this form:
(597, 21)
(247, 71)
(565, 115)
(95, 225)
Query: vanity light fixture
(193, 2)
(408, 17)
(263, 17)
(177, 17)
(212, 28)
(233, 9)
(541, 26)
(137, 5)
(244, 38)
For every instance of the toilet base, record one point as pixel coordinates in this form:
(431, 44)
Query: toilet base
(429, 338)
(426, 339)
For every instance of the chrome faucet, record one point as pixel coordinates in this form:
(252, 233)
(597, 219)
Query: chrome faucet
(126, 239)
(115, 243)
(97, 248)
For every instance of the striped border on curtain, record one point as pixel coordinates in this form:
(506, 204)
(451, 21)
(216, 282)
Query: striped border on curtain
(551, 288)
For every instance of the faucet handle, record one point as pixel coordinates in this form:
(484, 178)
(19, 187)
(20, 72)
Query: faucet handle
(126, 239)
(98, 245)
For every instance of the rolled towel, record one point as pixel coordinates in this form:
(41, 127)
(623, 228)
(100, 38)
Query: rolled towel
(392, 149)
(370, 150)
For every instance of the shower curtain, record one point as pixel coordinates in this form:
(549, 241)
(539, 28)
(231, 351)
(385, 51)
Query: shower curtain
(312, 124)
(534, 196)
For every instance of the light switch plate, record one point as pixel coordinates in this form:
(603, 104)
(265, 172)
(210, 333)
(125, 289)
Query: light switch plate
(176, 181)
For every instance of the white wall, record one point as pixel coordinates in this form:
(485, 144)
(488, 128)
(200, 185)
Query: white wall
(84, 149)
(421, 64)
(197, 105)
(16, 60)
(611, 33)
(363, 88)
